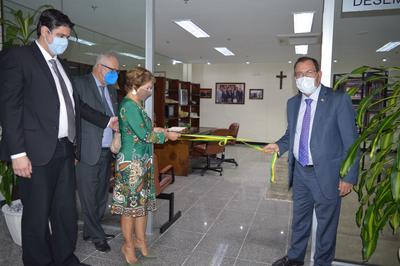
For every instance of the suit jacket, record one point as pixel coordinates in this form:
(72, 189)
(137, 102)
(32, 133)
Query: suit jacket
(29, 106)
(333, 132)
(91, 134)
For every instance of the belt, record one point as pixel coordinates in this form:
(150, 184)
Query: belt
(64, 140)
(309, 166)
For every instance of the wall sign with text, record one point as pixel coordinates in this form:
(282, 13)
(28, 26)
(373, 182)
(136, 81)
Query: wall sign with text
(369, 5)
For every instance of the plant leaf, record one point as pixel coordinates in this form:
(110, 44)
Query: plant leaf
(360, 70)
(395, 177)
(359, 215)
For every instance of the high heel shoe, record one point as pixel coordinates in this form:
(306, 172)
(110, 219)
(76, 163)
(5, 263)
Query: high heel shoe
(128, 263)
(144, 252)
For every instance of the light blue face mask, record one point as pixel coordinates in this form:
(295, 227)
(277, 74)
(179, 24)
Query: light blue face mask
(58, 46)
(111, 77)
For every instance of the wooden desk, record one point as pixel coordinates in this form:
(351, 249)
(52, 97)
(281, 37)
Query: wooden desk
(177, 152)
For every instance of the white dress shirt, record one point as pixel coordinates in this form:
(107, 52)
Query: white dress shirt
(63, 120)
(299, 124)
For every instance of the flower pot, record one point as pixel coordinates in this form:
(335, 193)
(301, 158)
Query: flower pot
(13, 216)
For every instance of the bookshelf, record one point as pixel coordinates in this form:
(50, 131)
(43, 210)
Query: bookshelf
(195, 105)
(176, 103)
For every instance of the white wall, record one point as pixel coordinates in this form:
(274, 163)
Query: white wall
(172, 71)
(260, 120)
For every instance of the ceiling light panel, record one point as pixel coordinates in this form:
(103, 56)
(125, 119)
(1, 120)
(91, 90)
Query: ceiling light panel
(389, 46)
(303, 22)
(192, 28)
(301, 49)
(225, 51)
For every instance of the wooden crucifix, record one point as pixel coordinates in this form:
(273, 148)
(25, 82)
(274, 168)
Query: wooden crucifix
(281, 77)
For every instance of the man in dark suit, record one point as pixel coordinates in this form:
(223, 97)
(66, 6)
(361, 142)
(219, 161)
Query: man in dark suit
(321, 129)
(40, 117)
(94, 169)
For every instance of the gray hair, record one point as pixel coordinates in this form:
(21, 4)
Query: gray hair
(102, 57)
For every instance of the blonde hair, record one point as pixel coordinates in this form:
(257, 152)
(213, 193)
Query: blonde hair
(137, 77)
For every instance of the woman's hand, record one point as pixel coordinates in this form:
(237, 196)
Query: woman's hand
(159, 129)
(172, 135)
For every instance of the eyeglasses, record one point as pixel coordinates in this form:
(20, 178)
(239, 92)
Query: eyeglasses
(309, 73)
(113, 69)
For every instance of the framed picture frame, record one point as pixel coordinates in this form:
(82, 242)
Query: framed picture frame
(205, 93)
(183, 97)
(256, 94)
(229, 93)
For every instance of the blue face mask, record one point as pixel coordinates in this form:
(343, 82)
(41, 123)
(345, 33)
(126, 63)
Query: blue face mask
(111, 77)
(58, 46)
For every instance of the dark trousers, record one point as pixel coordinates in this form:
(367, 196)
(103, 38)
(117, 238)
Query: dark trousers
(307, 196)
(49, 195)
(93, 184)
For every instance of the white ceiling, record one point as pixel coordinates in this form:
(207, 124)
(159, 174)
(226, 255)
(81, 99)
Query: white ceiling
(248, 27)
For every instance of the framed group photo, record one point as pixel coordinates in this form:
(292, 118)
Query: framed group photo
(256, 94)
(229, 93)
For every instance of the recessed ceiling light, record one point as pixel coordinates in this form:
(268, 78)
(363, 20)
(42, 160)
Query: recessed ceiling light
(81, 41)
(303, 22)
(290, 61)
(192, 28)
(123, 65)
(248, 62)
(208, 63)
(132, 55)
(225, 51)
(384, 60)
(334, 61)
(389, 46)
(139, 65)
(158, 64)
(301, 49)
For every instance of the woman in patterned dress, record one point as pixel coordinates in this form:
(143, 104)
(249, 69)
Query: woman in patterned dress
(134, 192)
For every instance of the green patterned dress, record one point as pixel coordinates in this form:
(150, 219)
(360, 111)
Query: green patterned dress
(134, 192)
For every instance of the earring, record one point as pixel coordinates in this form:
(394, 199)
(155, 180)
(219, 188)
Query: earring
(134, 92)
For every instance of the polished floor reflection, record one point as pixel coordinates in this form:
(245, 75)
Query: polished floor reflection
(235, 219)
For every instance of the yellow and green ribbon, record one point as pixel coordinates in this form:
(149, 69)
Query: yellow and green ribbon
(223, 140)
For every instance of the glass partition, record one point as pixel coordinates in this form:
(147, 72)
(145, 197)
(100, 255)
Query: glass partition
(105, 26)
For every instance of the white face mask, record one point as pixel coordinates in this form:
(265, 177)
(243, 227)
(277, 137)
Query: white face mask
(306, 85)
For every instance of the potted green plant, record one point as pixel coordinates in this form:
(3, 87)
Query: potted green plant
(18, 31)
(378, 189)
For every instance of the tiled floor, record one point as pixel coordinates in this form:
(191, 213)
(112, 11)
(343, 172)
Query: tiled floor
(235, 219)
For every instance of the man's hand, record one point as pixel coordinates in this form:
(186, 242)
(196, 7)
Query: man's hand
(271, 148)
(22, 166)
(114, 123)
(344, 188)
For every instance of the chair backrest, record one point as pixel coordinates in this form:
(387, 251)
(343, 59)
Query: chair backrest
(234, 129)
(214, 147)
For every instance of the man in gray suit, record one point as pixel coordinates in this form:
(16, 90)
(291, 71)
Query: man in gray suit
(321, 128)
(94, 169)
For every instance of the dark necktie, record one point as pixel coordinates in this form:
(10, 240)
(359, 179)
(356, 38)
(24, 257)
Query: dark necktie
(68, 102)
(305, 132)
(105, 103)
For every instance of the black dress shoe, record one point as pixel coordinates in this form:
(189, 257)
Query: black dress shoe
(107, 236)
(102, 246)
(286, 262)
